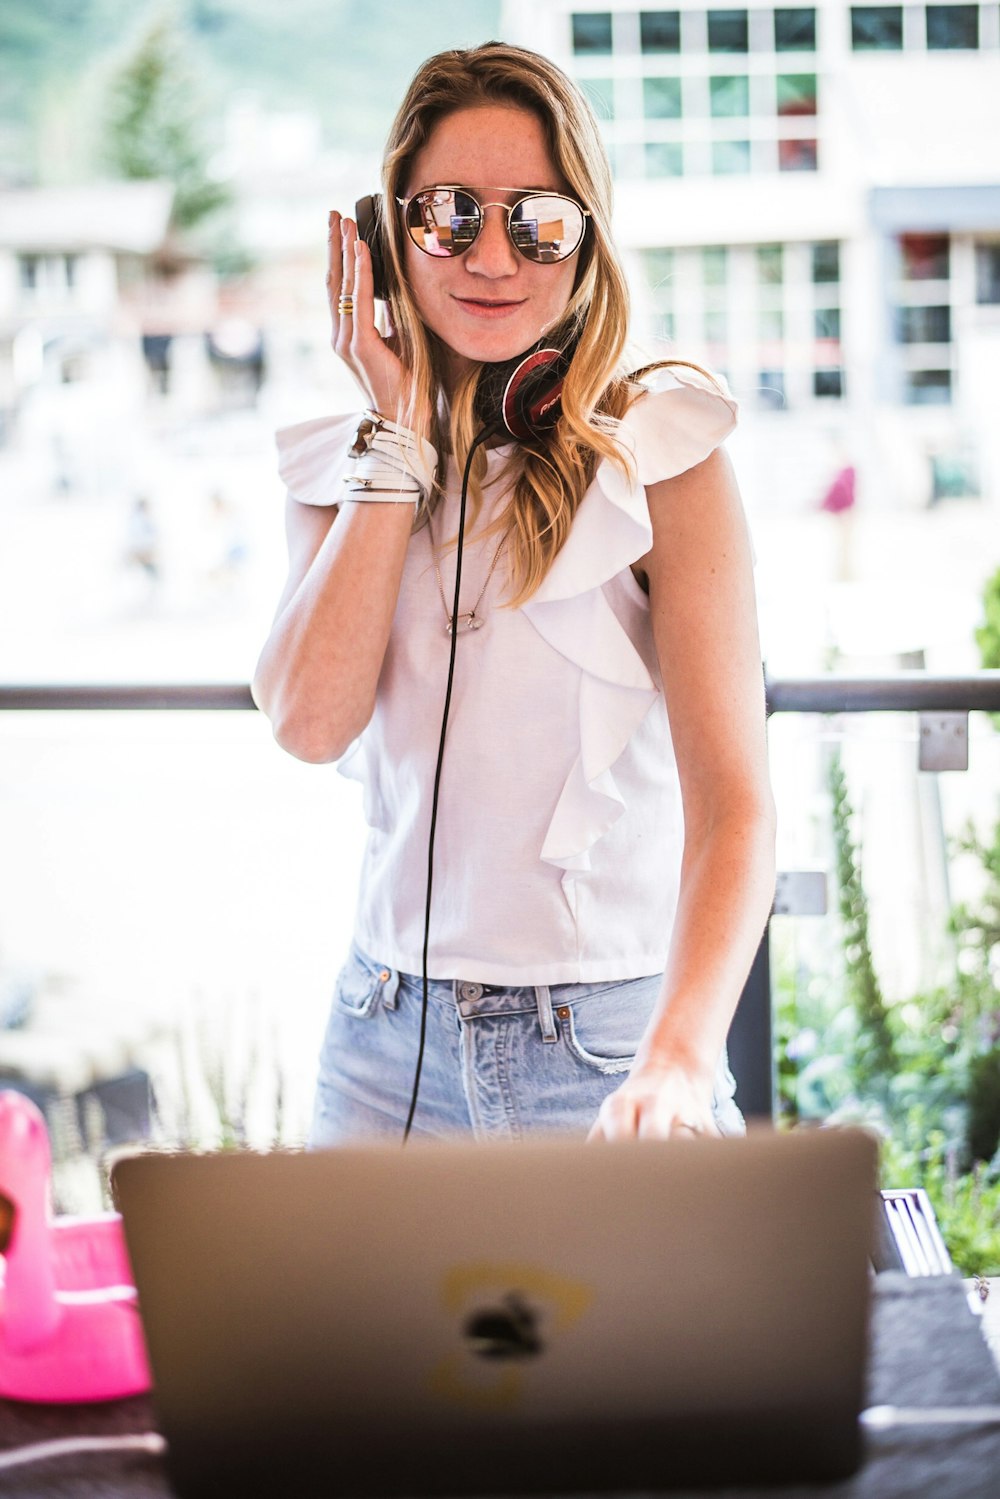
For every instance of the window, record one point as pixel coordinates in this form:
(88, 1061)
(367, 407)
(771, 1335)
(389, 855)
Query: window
(923, 325)
(592, 33)
(988, 274)
(728, 31)
(70, 263)
(826, 322)
(770, 325)
(927, 387)
(660, 30)
(828, 382)
(729, 95)
(601, 93)
(796, 93)
(664, 325)
(658, 267)
(730, 156)
(714, 265)
(795, 30)
(716, 326)
(877, 28)
(826, 261)
(27, 266)
(925, 257)
(664, 159)
(661, 98)
(770, 264)
(797, 156)
(771, 389)
(950, 26)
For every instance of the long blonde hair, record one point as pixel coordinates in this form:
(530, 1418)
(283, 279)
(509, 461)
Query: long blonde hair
(550, 479)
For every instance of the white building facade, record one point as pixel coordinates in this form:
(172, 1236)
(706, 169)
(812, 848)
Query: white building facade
(808, 200)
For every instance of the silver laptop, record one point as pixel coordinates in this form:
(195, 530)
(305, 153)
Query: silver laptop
(495, 1319)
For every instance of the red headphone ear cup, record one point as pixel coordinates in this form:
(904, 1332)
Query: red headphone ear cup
(531, 400)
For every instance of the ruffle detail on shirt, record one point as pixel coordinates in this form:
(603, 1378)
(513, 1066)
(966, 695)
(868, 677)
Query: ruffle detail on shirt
(676, 425)
(313, 457)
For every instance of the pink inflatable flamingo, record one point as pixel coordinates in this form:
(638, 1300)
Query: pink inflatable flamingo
(69, 1319)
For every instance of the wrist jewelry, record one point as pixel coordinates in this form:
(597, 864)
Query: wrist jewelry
(391, 462)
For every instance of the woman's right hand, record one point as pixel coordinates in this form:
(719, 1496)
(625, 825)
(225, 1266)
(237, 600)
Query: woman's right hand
(355, 338)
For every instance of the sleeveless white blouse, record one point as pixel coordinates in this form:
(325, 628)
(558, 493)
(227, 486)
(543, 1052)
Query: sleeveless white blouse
(559, 834)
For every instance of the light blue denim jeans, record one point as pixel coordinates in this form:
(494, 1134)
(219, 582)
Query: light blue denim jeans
(498, 1062)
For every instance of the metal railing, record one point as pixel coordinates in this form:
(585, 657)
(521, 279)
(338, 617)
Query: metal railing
(947, 699)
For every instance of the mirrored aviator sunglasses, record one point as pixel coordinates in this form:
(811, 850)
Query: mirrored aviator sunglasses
(543, 227)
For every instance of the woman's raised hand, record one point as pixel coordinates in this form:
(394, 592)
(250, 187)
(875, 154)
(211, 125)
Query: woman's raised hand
(355, 338)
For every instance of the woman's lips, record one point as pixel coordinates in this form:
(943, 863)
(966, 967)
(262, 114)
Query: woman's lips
(483, 308)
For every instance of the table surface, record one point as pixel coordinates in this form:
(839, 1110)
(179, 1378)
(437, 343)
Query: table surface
(927, 1350)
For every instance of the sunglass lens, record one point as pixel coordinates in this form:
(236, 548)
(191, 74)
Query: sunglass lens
(547, 228)
(443, 222)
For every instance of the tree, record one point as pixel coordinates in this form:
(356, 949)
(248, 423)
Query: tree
(154, 123)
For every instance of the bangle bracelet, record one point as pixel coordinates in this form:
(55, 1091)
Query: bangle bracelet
(386, 454)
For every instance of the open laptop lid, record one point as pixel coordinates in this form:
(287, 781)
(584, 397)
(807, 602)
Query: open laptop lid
(547, 1316)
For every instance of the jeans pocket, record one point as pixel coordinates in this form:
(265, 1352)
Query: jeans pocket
(359, 987)
(604, 1030)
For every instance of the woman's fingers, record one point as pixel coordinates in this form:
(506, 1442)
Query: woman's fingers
(334, 270)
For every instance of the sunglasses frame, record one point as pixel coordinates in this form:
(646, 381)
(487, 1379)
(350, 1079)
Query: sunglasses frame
(525, 193)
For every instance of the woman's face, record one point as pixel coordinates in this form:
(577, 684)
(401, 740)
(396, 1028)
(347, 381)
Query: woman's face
(489, 303)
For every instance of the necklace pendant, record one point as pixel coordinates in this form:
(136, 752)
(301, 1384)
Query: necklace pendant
(465, 622)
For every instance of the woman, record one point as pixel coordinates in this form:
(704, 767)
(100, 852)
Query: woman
(601, 878)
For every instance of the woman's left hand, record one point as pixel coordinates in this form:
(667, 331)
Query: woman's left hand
(656, 1101)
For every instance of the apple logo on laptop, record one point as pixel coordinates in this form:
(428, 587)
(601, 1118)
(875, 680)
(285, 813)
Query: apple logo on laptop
(508, 1330)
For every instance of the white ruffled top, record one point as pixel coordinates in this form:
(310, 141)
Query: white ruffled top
(559, 835)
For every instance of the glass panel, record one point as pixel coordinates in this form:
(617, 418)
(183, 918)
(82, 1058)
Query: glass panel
(828, 382)
(592, 33)
(771, 389)
(729, 95)
(796, 93)
(877, 28)
(601, 93)
(927, 387)
(664, 159)
(795, 30)
(770, 263)
(716, 327)
(925, 257)
(923, 325)
(950, 26)
(658, 270)
(770, 324)
(714, 265)
(826, 261)
(826, 322)
(728, 31)
(661, 98)
(660, 30)
(798, 156)
(987, 274)
(664, 325)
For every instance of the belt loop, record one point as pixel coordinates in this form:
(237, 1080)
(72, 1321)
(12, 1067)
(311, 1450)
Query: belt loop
(389, 979)
(546, 1019)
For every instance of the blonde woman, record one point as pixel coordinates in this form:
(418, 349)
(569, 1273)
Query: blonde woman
(603, 854)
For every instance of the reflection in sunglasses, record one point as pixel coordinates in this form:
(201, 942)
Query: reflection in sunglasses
(445, 222)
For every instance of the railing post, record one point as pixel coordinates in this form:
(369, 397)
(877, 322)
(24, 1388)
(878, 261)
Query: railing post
(751, 1045)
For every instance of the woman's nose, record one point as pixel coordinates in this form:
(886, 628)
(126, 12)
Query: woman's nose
(491, 253)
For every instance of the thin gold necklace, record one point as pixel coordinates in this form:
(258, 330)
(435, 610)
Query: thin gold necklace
(472, 619)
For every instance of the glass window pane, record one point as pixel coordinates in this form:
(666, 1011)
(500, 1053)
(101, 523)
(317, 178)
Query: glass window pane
(592, 33)
(601, 93)
(795, 30)
(716, 326)
(660, 30)
(770, 263)
(728, 31)
(952, 26)
(730, 156)
(661, 98)
(988, 274)
(828, 382)
(826, 261)
(714, 265)
(826, 322)
(798, 156)
(877, 28)
(664, 325)
(771, 389)
(925, 257)
(796, 93)
(927, 387)
(729, 95)
(770, 324)
(664, 159)
(658, 270)
(923, 325)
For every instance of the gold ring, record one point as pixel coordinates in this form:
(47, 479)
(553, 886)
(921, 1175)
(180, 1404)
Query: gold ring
(345, 307)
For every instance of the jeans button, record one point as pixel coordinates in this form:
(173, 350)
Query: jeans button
(471, 991)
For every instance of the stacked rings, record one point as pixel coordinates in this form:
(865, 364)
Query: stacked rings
(345, 307)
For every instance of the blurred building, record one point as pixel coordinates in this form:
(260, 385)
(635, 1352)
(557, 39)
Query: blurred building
(808, 198)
